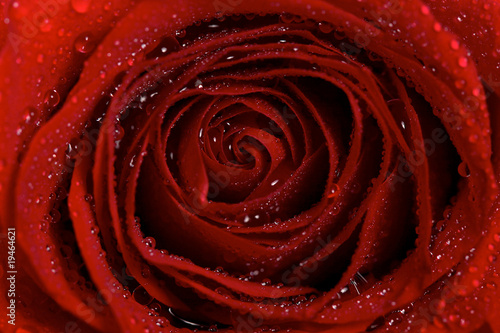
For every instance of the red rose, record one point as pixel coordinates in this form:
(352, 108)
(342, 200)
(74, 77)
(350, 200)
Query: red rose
(250, 166)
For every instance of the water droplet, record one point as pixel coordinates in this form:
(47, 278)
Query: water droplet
(141, 296)
(473, 138)
(464, 322)
(19, 130)
(45, 26)
(80, 6)
(222, 291)
(463, 170)
(180, 33)
(425, 10)
(334, 191)
(286, 18)
(455, 45)
(335, 210)
(165, 46)
(463, 62)
(150, 241)
(29, 114)
(43, 226)
(55, 216)
(119, 132)
(336, 306)
(51, 98)
(84, 43)
(155, 307)
(490, 285)
(126, 293)
(325, 27)
(496, 238)
(198, 84)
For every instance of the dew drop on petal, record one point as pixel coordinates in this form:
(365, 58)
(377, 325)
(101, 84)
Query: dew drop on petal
(141, 296)
(465, 322)
(43, 226)
(180, 33)
(80, 6)
(473, 138)
(150, 241)
(55, 216)
(51, 98)
(94, 230)
(335, 210)
(29, 114)
(463, 170)
(119, 132)
(334, 191)
(325, 27)
(84, 42)
(155, 307)
(425, 10)
(496, 238)
(45, 26)
(462, 62)
(286, 18)
(126, 294)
